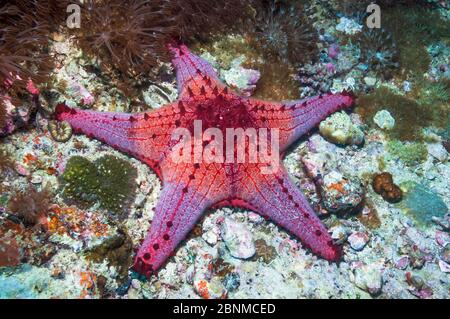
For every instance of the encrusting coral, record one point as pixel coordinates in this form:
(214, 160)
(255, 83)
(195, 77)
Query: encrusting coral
(109, 180)
(383, 184)
(60, 131)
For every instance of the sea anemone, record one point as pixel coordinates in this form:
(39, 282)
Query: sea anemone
(285, 31)
(379, 51)
(132, 37)
(129, 37)
(25, 28)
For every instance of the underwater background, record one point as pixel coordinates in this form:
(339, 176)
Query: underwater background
(73, 210)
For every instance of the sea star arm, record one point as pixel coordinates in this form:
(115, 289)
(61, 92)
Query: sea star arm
(175, 216)
(189, 189)
(145, 136)
(195, 76)
(276, 197)
(295, 118)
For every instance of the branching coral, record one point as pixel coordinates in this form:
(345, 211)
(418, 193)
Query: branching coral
(285, 31)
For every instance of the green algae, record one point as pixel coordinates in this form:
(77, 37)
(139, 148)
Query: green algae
(409, 153)
(413, 29)
(109, 181)
(412, 114)
(421, 203)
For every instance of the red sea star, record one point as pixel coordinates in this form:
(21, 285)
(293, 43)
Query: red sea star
(189, 189)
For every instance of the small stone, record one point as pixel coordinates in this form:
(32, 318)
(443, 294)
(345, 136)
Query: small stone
(416, 281)
(445, 255)
(384, 120)
(438, 151)
(339, 233)
(210, 237)
(445, 267)
(255, 218)
(407, 86)
(340, 193)
(358, 240)
(348, 26)
(231, 281)
(442, 238)
(36, 179)
(22, 170)
(402, 262)
(136, 284)
(339, 128)
(209, 289)
(370, 81)
(369, 279)
(238, 239)
(241, 78)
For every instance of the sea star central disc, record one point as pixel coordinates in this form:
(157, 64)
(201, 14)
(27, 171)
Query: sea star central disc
(190, 188)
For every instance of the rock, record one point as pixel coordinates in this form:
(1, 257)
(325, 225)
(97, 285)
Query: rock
(442, 238)
(369, 279)
(158, 95)
(339, 233)
(370, 81)
(255, 218)
(402, 262)
(36, 179)
(210, 237)
(238, 239)
(348, 26)
(136, 284)
(443, 266)
(22, 170)
(341, 194)
(339, 128)
(416, 281)
(231, 281)
(212, 289)
(358, 240)
(445, 255)
(241, 78)
(384, 120)
(438, 151)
